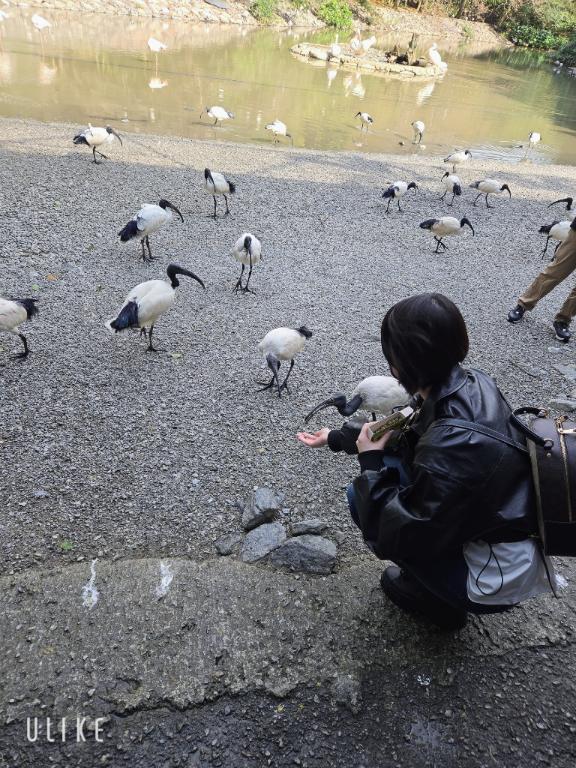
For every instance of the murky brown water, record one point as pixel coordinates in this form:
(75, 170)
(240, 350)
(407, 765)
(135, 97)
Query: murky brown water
(99, 69)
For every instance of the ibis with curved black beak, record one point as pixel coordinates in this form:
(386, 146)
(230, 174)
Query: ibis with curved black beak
(149, 219)
(570, 207)
(446, 226)
(396, 191)
(377, 394)
(96, 137)
(489, 187)
(282, 344)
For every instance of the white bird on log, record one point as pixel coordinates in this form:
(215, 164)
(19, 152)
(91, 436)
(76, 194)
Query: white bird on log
(457, 158)
(217, 184)
(149, 219)
(218, 114)
(558, 230)
(282, 344)
(278, 128)
(148, 301)
(446, 226)
(365, 119)
(96, 137)
(418, 127)
(452, 184)
(396, 191)
(248, 251)
(14, 312)
(489, 187)
(436, 58)
(376, 394)
(570, 207)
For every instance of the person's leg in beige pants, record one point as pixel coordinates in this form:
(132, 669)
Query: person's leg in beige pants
(551, 276)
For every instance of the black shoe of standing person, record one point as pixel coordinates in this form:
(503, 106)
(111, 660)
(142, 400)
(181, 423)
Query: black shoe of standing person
(562, 331)
(516, 314)
(408, 594)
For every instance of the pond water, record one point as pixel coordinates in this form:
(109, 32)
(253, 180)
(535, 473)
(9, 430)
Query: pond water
(98, 69)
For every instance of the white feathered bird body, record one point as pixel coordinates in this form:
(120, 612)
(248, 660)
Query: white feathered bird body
(217, 184)
(244, 255)
(283, 343)
(380, 394)
(12, 315)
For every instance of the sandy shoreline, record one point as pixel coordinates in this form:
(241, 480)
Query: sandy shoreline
(113, 426)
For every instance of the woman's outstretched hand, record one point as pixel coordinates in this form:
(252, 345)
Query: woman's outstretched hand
(315, 440)
(364, 442)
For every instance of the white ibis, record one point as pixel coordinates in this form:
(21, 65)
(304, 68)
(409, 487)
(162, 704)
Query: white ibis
(452, 184)
(248, 251)
(217, 184)
(418, 127)
(96, 137)
(278, 128)
(446, 226)
(489, 187)
(365, 119)
(156, 45)
(570, 207)
(335, 49)
(558, 230)
(40, 22)
(458, 158)
(282, 344)
(356, 44)
(149, 219)
(14, 312)
(377, 394)
(435, 57)
(396, 191)
(218, 114)
(148, 301)
(534, 138)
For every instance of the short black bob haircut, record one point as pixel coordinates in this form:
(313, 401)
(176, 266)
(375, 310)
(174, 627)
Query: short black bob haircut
(423, 338)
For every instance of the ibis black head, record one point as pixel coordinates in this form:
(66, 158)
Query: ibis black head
(358, 114)
(337, 401)
(111, 130)
(467, 152)
(174, 269)
(304, 331)
(464, 222)
(167, 204)
(507, 188)
(208, 174)
(446, 174)
(413, 186)
(248, 243)
(567, 200)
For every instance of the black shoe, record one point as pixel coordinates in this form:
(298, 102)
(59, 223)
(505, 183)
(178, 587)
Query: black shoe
(516, 314)
(406, 593)
(562, 330)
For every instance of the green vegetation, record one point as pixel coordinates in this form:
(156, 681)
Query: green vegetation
(264, 10)
(567, 53)
(66, 545)
(336, 13)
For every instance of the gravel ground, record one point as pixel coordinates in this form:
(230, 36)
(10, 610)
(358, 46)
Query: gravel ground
(114, 452)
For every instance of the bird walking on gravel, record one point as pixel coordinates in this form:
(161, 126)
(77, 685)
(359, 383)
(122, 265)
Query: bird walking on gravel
(377, 394)
(458, 158)
(218, 114)
(489, 187)
(14, 312)
(396, 191)
(96, 137)
(365, 120)
(149, 219)
(418, 127)
(446, 226)
(217, 184)
(451, 184)
(148, 301)
(570, 207)
(278, 128)
(282, 344)
(248, 251)
(558, 230)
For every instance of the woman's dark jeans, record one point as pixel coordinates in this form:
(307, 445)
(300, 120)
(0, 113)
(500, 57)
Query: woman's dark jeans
(445, 579)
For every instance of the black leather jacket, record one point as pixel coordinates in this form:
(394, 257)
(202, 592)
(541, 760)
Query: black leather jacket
(463, 485)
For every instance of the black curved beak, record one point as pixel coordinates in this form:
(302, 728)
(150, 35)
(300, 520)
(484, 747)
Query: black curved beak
(567, 200)
(192, 275)
(332, 401)
(507, 188)
(170, 205)
(117, 136)
(471, 227)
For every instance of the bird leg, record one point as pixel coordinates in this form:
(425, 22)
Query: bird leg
(214, 196)
(101, 155)
(238, 286)
(143, 249)
(150, 348)
(274, 365)
(546, 246)
(22, 355)
(215, 122)
(444, 195)
(227, 209)
(285, 382)
(479, 195)
(452, 201)
(246, 289)
(143, 332)
(439, 243)
(487, 204)
(150, 257)
(388, 206)
(94, 155)
(419, 138)
(400, 209)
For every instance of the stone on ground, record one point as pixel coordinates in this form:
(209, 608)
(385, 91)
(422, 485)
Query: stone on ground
(311, 525)
(310, 554)
(261, 541)
(264, 507)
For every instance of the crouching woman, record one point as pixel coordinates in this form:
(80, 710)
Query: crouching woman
(451, 506)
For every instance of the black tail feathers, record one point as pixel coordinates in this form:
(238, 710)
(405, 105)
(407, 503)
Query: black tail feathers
(545, 230)
(80, 139)
(232, 187)
(457, 190)
(29, 305)
(129, 231)
(128, 317)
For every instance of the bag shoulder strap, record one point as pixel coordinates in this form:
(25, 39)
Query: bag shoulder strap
(481, 429)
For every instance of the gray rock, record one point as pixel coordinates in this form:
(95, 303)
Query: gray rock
(563, 404)
(310, 554)
(569, 371)
(347, 691)
(261, 541)
(264, 507)
(228, 544)
(312, 525)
